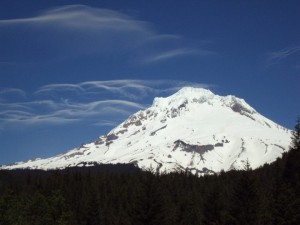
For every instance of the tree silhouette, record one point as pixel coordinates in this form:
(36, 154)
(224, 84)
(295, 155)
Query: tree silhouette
(296, 136)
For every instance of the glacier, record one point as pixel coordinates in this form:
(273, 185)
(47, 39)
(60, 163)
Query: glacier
(193, 129)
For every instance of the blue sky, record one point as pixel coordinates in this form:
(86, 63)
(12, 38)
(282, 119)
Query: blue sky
(72, 70)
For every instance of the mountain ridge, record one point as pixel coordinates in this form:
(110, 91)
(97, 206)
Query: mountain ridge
(192, 129)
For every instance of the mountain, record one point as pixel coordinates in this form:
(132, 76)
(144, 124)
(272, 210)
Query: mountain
(192, 129)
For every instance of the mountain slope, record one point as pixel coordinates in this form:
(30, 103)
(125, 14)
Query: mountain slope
(193, 129)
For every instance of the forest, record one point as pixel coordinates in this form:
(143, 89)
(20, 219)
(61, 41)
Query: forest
(125, 195)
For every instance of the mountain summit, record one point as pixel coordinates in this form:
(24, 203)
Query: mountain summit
(193, 129)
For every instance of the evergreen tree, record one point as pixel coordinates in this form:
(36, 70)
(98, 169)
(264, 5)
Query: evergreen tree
(265, 196)
(296, 136)
(292, 164)
(287, 205)
(243, 203)
(213, 207)
(247, 166)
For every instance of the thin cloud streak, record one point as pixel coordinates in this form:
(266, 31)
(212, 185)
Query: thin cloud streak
(4, 91)
(169, 54)
(277, 56)
(67, 112)
(124, 87)
(101, 27)
(82, 17)
(175, 53)
(120, 98)
(105, 123)
(57, 87)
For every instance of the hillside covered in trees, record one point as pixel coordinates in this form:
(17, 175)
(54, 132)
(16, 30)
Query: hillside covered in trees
(125, 195)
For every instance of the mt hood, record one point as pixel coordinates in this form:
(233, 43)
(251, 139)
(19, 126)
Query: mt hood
(192, 129)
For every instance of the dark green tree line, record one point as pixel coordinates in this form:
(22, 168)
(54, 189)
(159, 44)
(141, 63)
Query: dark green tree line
(265, 196)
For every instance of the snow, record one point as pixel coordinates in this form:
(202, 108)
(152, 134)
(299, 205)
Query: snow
(194, 116)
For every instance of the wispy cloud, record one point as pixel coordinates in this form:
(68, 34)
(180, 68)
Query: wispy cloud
(108, 123)
(8, 93)
(58, 87)
(131, 89)
(5, 91)
(79, 30)
(64, 112)
(81, 17)
(169, 54)
(165, 55)
(93, 102)
(278, 56)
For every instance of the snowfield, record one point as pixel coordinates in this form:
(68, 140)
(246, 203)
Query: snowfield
(192, 129)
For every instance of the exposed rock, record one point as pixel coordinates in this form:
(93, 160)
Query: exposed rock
(243, 149)
(138, 123)
(237, 107)
(154, 132)
(134, 120)
(122, 131)
(163, 120)
(111, 137)
(174, 112)
(99, 142)
(108, 143)
(283, 149)
(73, 154)
(183, 105)
(219, 145)
(267, 124)
(201, 149)
(135, 133)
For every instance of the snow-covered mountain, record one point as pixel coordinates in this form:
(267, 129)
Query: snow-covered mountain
(192, 129)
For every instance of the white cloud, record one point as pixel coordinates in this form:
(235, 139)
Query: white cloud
(169, 54)
(81, 17)
(124, 88)
(105, 123)
(5, 91)
(91, 102)
(57, 87)
(65, 112)
(277, 56)
(175, 53)
(79, 30)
